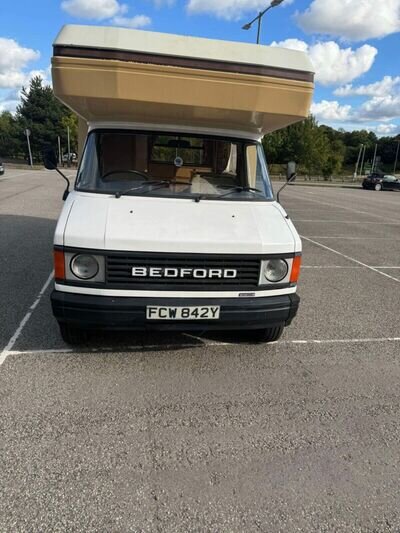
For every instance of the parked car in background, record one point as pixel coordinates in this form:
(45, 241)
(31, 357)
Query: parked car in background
(72, 158)
(1, 169)
(381, 182)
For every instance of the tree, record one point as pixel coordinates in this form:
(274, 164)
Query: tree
(10, 145)
(334, 161)
(71, 121)
(316, 149)
(43, 115)
(274, 145)
(303, 142)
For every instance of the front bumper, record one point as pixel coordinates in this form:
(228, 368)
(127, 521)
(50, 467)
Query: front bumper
(112, 313)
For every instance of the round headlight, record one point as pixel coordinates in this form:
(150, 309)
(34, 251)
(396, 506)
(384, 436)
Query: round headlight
(84, 266)
(275, 270)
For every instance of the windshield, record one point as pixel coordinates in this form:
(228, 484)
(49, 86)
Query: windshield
(178, 165)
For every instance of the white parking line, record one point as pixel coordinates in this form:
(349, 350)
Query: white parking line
(205, 344)
(7, 350)
(349, 267)
(373, 199)
(332, 266)
(350, 259)
(315, 201)
(12, 176)
(346, 221)
(342, 341)
(345, 237)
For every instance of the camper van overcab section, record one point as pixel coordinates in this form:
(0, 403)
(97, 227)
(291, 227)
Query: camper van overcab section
(172, 223)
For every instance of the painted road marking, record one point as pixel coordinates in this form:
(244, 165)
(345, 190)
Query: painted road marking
(371, 199)
(7, 350)
(344, 237)
(2, 198)
(315, 201)
(205, 344)
(346, 221)
(351, 259)
(12, 176)
(350, 267)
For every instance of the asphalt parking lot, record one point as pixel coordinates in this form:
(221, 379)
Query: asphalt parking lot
(179, 433)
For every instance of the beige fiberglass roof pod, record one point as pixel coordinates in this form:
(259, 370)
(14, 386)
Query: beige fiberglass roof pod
(111, 74)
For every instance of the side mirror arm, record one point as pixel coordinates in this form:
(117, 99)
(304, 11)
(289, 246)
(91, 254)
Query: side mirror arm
(66, 192)
(50, 163)
(292, 178)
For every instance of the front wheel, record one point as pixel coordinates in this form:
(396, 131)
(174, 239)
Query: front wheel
(72, 335)
(266, 335)
(378, 187)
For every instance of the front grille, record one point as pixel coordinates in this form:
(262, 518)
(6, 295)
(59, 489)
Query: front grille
(119, 271)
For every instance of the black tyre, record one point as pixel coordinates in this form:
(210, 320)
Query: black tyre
(266, 335)
(72, 335)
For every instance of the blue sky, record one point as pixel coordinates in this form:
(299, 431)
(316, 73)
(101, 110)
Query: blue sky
(354, 44)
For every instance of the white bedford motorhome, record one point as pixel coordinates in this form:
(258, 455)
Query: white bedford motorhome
(172, 223)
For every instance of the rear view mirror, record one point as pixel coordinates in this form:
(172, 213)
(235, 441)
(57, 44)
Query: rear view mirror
(178, 143)
(291, 171)
(49, 159)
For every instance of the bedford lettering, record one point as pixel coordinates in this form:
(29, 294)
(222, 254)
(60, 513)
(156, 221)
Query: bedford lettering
(196, 273)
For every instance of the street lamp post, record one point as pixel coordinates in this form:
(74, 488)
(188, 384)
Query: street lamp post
(362, 160)
(358, 161)
(259, 17)
(374, 160)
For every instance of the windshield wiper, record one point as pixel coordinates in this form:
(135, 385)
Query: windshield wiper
(233, 189)
(237, 188)
(157, 184)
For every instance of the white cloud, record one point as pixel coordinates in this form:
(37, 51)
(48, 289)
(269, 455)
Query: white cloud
(378, 109)
(105, 9)
(139, 21)
(20, 79)
(380, 88)
(44, 74)
(328, 110)
(350, 19)
(292, 44)
(228, 9)
(381, 130)
(345, 116)
(13, 60)
(9, 102)
(94, 9)
(383, 108)
(334, 65)
(384, 104)
(386, 129)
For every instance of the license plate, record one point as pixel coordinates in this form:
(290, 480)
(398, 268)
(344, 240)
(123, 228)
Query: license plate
(182, 313)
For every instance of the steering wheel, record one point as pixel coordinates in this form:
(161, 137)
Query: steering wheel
(111, 172)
